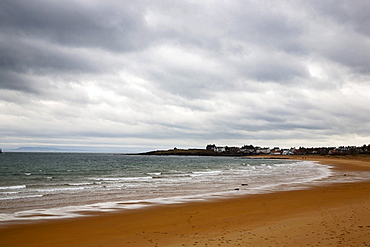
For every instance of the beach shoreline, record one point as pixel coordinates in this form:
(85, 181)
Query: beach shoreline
(335, 214)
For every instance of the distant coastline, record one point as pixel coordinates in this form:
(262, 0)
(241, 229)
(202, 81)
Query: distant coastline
(250, 150)
(187, 152)
(212, 150)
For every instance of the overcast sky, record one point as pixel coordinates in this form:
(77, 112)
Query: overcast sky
(142, 75)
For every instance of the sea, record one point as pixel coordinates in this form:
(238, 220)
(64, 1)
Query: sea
(45, 186)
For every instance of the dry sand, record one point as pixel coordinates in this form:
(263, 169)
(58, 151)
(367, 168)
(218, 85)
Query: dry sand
(332, 215)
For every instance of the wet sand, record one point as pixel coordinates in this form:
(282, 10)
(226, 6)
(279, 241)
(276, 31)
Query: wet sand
(331, 215)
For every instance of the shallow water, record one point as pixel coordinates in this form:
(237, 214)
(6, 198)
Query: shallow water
(58, 185)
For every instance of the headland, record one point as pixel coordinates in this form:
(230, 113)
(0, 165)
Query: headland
(250, 150)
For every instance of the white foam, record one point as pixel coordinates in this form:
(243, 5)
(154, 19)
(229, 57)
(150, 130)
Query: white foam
(203, 173)
(79, 184)
(15, 187)
(19, 197)
(123, 178)
(9, 192)
(60, 189)
(154, 173)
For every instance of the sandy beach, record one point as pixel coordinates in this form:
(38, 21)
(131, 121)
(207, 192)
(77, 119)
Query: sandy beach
(331, 215)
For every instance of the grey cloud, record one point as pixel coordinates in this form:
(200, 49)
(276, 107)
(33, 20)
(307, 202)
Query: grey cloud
(115, 27)
(343, 34)
(14, 81)
(268, 24)
(352, 13)
(273, 69)
(42, 58)
(351, 53)
(190, 72)
(191, 84)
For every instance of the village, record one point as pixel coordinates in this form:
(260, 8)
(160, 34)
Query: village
(256, 150)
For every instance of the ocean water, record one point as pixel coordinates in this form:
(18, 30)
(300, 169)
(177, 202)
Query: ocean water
(36, 186)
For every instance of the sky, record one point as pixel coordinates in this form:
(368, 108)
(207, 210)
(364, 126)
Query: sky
(129, 76)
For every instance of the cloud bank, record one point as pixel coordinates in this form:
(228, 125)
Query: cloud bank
(141, 75)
